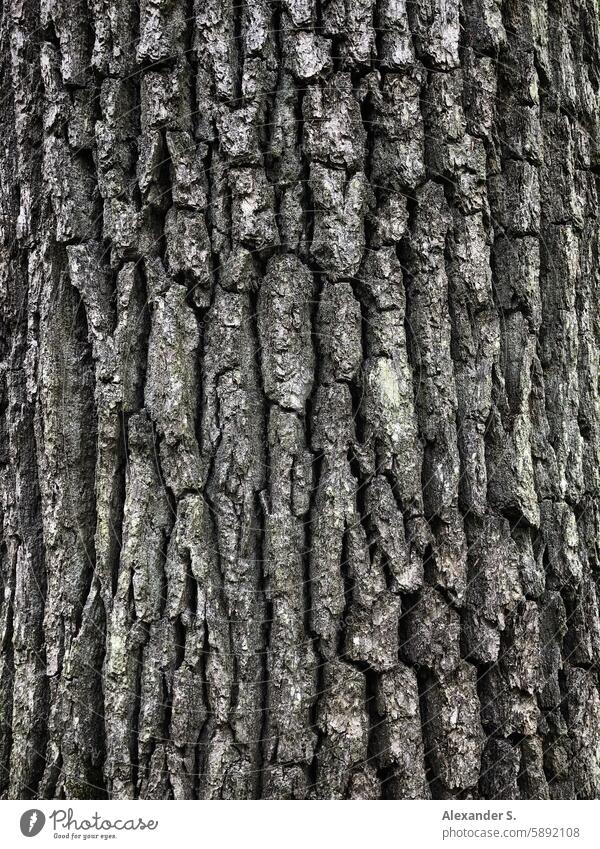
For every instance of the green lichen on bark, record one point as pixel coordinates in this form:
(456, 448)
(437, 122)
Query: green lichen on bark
(299, 410)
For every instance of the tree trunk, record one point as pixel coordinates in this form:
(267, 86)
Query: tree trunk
(299, 399)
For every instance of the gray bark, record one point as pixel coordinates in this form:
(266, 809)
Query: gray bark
(299, 403)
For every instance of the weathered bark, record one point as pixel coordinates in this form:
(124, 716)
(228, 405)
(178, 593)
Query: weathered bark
(300, 415)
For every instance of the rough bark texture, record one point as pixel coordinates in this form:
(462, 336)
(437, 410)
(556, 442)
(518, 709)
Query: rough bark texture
(299, 408)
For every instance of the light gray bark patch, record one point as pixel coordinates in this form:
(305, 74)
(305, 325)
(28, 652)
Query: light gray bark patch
(340, 207)
(284, 325)
(170, 392)
(452, 731)
(436, 27)
(399, 735)
(299, 408)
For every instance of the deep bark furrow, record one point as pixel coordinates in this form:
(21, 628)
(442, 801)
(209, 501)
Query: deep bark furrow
(299, 399)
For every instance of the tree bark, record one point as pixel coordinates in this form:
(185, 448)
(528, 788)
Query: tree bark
(299, 399)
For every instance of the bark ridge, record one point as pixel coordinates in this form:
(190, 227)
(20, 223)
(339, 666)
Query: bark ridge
(299, 400)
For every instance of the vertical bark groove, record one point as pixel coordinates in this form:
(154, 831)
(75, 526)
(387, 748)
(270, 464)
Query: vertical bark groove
(299, 399)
